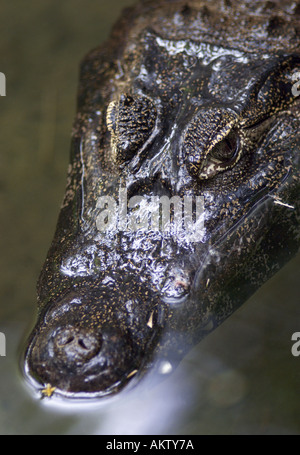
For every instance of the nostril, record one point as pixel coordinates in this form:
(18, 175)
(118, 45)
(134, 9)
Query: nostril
(68, 341)
(63, 337)
(76, 344)
(83, 344)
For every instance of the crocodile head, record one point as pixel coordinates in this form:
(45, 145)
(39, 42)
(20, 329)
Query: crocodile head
(183, 189)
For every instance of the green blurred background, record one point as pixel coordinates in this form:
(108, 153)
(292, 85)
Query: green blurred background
(241, 379)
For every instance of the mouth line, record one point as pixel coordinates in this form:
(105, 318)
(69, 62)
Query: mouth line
(45, 389)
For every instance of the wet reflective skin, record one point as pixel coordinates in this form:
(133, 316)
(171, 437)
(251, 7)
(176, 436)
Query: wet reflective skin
(178, 103)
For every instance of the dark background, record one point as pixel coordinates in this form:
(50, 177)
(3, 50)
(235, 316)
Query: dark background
(241, 379)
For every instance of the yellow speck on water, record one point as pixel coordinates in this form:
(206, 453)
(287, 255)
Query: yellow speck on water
(48, 391)
(132, 373)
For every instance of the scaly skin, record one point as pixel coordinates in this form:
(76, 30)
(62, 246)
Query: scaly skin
(186, 98)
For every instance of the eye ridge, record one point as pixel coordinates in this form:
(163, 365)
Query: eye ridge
(130, 121)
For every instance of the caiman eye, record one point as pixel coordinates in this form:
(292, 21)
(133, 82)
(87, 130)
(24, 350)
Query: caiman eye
(226, 150)
(212, 143)
(131, 121)
(222, 156)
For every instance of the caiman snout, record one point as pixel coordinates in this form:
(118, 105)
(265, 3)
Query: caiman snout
(80, 348)
(77, 359)
(76, 345)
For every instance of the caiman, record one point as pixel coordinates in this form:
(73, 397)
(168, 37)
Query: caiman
(189, 103)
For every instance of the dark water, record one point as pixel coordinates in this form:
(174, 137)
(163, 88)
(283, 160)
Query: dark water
(241, 379)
